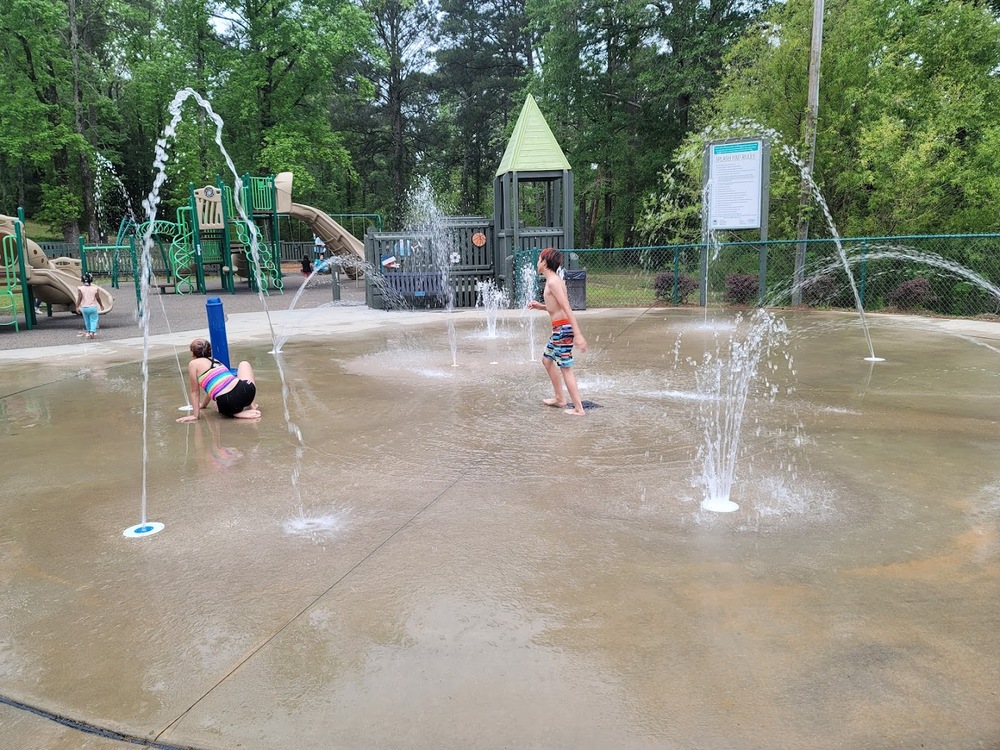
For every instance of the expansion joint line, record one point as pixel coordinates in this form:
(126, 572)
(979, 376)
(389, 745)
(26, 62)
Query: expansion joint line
(309, 606)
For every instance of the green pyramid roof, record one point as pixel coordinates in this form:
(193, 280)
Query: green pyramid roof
(532, 147)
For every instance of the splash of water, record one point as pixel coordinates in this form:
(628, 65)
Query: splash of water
(526, 293)
(727, 379)
(104, 169)
(150, 206)
(424, 215)
(360, 266)
(492, 299)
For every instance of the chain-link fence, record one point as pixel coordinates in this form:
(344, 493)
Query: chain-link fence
(945, 274)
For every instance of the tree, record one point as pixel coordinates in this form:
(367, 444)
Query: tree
(622, 78)
(485, 51)
(36, 112)
(906, 139)
(390, 133)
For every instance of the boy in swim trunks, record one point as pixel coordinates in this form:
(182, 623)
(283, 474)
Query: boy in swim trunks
(558, 356)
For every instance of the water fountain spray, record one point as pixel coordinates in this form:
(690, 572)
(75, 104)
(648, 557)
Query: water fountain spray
(493, 299)
(526, 293)
(727, 379)
(744, 126)
(150, 205)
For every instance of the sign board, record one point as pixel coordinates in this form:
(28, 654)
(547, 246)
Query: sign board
(735, 175)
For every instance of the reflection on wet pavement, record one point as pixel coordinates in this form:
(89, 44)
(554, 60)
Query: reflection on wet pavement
(466, 568)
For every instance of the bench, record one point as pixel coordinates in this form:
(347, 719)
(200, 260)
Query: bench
(416, 286)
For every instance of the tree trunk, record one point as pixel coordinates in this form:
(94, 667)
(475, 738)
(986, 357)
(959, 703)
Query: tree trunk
(90, 217)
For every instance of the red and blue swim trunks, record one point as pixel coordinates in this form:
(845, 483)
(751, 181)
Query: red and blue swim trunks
(560, 346)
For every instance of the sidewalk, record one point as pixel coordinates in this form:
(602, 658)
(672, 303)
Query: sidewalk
(173, 313)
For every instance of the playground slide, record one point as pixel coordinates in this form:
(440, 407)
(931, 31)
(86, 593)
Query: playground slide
(338, 240)
(54, 282)
(55, 286)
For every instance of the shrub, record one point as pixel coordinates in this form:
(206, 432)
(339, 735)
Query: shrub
(741, 288)
(910, 294)
(819, 290)
(663, 285)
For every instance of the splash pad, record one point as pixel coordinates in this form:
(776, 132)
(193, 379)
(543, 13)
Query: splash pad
(463, 550)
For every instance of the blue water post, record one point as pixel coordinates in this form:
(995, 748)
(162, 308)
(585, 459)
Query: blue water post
(217, 330)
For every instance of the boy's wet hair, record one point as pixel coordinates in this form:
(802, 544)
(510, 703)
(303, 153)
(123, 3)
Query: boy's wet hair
(551, 257)
(201, 348)
(87, 278)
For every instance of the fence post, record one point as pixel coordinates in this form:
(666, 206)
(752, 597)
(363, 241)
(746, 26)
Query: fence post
(83, 257)
(677, 272)
(762, 275)
(864, 274)
(703, 286)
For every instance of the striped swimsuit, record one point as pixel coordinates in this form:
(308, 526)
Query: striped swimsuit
(560, 346)
(216, 379)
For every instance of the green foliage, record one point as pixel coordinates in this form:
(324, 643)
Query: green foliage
(360, 99)
(663, 285)
(907, 138)
(60, 205)
(741, 288)
(621, 81)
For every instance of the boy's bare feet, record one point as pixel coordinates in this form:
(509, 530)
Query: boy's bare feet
(575, 412)
(554, 402)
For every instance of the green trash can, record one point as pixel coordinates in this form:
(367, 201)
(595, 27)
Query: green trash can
(576, 288)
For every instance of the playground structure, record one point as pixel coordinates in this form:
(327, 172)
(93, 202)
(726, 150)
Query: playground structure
(210, 237)
(213, 234)
(532, 209)
(27, 274)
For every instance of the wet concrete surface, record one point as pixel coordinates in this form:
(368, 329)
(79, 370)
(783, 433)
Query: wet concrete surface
(441, 562)
(178, 312)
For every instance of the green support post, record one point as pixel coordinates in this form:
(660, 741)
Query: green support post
(864, 274)
(196, 238)
(136, 270)
(228, 277)
(276, 233)
(246, 200)
(29, 304)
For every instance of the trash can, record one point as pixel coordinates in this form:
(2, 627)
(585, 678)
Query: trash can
(576, 288)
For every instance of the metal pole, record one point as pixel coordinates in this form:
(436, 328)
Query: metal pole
(705, 234)
(335, 279)
(812, 111)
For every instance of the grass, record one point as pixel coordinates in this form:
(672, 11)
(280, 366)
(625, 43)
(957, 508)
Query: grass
(620, 289)
(41, 232)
